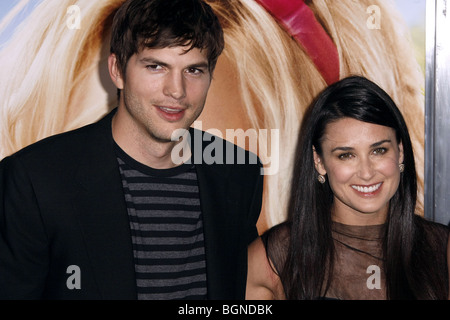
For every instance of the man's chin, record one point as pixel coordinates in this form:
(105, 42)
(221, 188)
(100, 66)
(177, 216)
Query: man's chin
(162, 139)
(167, 137)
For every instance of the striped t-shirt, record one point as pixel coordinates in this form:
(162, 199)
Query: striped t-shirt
(166, 229)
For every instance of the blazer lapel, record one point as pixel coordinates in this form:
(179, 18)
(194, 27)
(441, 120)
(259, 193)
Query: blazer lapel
(219, 231)
(103, 215)
(220, 227)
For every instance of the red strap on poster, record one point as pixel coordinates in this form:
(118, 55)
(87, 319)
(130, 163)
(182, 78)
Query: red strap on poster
(299, 20)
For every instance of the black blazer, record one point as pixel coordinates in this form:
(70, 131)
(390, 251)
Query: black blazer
(62, 204)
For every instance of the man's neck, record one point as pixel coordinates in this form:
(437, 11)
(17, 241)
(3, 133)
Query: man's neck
(146, 149)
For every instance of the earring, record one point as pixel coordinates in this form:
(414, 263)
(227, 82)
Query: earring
(401, 166)
(321, 179)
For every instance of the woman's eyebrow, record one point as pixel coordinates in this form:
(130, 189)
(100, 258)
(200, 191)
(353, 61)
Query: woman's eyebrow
(373, 145)
(379, 143)
(342, 149)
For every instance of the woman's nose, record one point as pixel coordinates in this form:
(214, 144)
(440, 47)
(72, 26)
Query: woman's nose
(366, 169)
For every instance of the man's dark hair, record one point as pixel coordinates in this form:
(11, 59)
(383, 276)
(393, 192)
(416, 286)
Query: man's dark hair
(140, 24)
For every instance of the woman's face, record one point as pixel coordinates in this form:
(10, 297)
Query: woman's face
(361, 162)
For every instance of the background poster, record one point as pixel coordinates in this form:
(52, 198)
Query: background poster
(52, 56)
(413, 12)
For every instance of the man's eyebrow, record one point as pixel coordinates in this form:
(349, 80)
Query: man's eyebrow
(200, 65)
(149, 60)
(373, 145)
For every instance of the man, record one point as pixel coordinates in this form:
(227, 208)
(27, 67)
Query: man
(107, 211)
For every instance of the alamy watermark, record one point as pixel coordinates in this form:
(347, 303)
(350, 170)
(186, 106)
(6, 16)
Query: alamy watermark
(74, 280)
(73, 20)
(374, 20)
(265, 141)
(374, 280)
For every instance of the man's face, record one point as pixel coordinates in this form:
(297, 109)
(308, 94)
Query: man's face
(163, 90)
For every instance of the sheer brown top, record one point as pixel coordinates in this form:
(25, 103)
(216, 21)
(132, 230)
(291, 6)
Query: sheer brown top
(358, 258)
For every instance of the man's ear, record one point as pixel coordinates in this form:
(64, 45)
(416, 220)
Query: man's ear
(318, 163)
(115, 72)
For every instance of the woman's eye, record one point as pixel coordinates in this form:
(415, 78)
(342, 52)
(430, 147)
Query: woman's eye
(380, 151)
(345, 156)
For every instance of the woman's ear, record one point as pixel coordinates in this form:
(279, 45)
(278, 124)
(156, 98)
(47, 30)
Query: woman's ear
(318, 163)
(401, 154)
(114, 71)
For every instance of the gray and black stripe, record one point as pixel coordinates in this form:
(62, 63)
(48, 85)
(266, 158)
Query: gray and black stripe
(167, 230)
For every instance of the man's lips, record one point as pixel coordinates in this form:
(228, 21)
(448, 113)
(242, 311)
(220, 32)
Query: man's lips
(171, 109)
(170, 113)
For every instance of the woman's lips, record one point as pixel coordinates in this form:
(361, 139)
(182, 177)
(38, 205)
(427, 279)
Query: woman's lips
(367, 190)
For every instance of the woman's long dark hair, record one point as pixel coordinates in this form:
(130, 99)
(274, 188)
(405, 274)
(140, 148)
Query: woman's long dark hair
(308, 268)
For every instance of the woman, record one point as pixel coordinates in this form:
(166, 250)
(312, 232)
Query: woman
(352, 231)
(54, 75)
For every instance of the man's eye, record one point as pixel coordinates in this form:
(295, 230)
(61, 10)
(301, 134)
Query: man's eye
(194, 71)
(153, 67)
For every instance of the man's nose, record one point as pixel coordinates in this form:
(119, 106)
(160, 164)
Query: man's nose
(174, 86)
